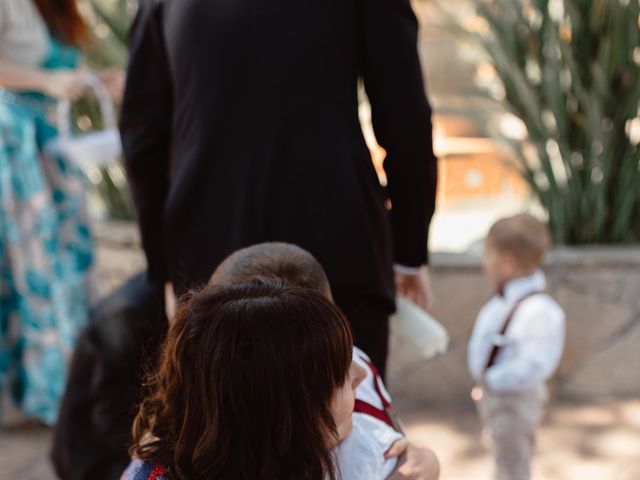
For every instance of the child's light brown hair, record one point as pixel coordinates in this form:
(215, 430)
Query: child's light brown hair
(524, 236)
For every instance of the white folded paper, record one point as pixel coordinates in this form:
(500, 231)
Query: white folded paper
(419, 329)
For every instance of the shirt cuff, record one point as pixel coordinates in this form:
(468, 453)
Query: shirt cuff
(404, 270)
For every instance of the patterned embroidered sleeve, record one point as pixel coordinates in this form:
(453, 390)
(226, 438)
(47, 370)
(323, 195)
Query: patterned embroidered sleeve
(139, 470)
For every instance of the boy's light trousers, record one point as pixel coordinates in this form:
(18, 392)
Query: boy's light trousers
(510, 421)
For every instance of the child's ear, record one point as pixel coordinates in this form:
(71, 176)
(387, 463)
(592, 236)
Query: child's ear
(510, 263)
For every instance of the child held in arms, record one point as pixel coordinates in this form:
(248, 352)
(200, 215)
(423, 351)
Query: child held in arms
(371, 448)
(516, 344)
(370, 452)
(94, 431)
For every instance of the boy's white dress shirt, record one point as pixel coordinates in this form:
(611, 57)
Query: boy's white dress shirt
(366, 391)
(360, 456)
(534, 340)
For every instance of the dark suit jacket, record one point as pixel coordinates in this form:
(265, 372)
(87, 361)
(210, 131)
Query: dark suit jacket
(93, 432)
(240, 125)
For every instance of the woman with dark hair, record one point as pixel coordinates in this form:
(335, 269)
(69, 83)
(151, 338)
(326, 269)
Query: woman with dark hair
(255, 381)
(45, 246)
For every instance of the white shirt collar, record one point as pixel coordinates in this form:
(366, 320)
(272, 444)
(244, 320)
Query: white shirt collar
(520, 287)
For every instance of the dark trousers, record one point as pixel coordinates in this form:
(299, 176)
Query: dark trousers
(369, 318)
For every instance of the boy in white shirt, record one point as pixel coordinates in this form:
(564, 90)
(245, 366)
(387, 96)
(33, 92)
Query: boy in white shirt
(516, 344)
(371, 450)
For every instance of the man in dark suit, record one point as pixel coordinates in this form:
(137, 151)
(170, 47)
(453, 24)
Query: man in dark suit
(240, 126)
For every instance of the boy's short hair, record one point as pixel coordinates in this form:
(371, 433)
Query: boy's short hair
(290, 263)
(524, 236)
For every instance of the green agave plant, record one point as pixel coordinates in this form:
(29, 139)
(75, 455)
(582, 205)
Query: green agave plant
(570, 71)
(110, 21)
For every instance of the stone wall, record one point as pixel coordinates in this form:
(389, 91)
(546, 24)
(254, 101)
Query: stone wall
(599, 288)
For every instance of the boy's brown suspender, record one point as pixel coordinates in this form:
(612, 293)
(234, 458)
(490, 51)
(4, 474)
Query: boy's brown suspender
(497, 345)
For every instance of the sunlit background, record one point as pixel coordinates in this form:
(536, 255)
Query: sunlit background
(536, 107)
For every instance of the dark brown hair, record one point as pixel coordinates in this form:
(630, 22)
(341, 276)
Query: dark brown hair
(524, 236)
(244, 386)
(291, 264)
(64, 21)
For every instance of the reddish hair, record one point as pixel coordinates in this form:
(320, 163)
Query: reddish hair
(64, 20)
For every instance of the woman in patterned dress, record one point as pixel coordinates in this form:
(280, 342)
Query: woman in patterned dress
(45, 244)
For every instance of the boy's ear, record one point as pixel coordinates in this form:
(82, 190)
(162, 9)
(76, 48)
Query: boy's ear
(510, 262)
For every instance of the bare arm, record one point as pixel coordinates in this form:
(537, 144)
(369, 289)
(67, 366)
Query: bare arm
(21, 77)
(64, 83)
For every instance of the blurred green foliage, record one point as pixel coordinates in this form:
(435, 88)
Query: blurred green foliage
(109, 20)
(570, 71)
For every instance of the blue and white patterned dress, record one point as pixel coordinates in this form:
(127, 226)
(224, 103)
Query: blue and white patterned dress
(45, 245)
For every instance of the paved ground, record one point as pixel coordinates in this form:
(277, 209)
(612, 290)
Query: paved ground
(577, 442)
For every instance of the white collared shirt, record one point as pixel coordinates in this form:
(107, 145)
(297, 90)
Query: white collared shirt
(360, 456)
(534, 340)
(367, 391)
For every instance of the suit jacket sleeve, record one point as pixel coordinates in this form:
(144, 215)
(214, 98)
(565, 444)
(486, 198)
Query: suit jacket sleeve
(401, 117)
(145, 128)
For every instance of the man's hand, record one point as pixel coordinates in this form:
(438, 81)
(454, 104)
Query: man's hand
(414, 463)
(416, 287)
